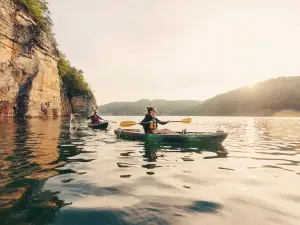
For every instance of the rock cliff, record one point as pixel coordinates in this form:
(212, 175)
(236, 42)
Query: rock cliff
(83, 104)
(29, 81)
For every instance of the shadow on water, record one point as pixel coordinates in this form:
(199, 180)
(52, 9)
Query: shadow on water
(33, 151)
(162, 211)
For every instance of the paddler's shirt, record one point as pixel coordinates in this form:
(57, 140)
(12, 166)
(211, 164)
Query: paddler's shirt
(149, 127)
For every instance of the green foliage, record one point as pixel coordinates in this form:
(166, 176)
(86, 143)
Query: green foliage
(72, 78)
(39, 10)
(262, 99)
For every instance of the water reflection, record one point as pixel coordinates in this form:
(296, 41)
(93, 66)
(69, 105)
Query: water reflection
(43, 147)
(163, 211)
(53, 175)
(7, 144)
(31, 154)
(151, 150)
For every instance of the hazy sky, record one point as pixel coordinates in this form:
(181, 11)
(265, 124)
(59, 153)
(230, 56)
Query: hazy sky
(177, 49)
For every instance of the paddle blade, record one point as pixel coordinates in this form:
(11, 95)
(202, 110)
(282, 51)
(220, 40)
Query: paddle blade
(127, 123)
(186, 120)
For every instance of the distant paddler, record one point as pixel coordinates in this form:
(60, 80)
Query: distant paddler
(95, 118)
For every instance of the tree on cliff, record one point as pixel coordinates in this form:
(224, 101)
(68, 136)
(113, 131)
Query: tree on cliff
(39, 10)
(72, 78)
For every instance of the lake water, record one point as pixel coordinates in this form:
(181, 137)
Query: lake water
(51, 176)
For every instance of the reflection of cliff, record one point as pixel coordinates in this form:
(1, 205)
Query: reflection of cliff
(30, 162)
(14, 159)
(7, 141)
(44, 147)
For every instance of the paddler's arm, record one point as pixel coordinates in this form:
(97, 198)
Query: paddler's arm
(161, 122)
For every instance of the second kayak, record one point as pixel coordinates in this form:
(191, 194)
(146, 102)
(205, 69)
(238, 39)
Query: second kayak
(100, 126)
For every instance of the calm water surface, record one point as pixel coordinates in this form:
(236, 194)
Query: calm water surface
(49, 175)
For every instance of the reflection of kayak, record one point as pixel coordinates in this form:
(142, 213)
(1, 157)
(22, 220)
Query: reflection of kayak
(100, 126)
(189, 137)
(152, 148)
(185, 146)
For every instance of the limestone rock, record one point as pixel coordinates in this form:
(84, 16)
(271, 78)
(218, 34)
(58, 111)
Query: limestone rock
(29, 81)
(83, 104)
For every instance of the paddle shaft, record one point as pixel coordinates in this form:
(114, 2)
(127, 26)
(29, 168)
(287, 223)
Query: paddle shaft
(105, 120)
(157, 122)
(111, 121)
(132, 123)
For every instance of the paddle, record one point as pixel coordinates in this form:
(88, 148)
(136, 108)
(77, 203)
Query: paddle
(104, 120)
(132, 123)
(111, 121)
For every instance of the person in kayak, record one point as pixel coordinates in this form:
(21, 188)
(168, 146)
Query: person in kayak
(150, 122)
(95, 118)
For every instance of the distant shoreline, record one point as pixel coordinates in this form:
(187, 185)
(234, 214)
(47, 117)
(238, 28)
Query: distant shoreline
(277, 97)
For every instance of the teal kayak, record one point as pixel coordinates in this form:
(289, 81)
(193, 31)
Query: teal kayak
(189, 137)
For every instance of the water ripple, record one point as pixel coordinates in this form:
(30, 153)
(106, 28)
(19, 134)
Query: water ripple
(53, 175)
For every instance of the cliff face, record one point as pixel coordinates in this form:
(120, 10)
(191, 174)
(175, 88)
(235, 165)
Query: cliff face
(29, 81)
(28, 67)
(83, 104)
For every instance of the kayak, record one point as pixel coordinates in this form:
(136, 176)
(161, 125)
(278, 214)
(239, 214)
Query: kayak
(179, 137)
(100, 126)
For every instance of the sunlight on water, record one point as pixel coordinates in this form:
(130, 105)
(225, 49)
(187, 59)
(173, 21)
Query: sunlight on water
(51, 174)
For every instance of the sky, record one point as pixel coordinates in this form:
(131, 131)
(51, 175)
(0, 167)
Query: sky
(177, 49)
